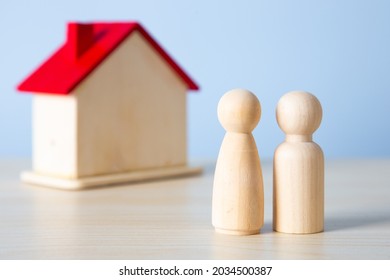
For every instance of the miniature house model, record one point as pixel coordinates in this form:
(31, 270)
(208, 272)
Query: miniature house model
(109, 106)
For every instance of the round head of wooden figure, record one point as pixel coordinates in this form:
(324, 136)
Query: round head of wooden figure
(239, 111)
(299, 113)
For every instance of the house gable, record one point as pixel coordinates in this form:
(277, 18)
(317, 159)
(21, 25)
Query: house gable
(131, 113)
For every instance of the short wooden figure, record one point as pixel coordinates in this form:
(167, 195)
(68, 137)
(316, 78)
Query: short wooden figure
(298, 166)
(238, 199)
(109, 106)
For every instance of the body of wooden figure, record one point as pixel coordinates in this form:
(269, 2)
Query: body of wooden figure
(298, 167)
(238, 199)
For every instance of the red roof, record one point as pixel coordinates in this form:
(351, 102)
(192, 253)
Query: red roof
(86, 47)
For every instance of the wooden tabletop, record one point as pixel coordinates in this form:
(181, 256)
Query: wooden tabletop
(171, 219)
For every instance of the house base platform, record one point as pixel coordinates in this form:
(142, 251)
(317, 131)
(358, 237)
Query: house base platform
(34, 178)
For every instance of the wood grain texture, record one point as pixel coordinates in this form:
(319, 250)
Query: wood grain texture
(298, 201)
(171, 219)
(132, 113)
(238, 196)
(238, 199)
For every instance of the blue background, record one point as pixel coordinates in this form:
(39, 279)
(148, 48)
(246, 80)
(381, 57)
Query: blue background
(338, 50)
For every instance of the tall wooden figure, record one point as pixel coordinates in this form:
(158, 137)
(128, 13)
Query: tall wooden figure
(238, 199)
(298, 166)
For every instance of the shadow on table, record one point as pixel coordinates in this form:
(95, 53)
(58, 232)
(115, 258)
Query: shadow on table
(346, 222)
